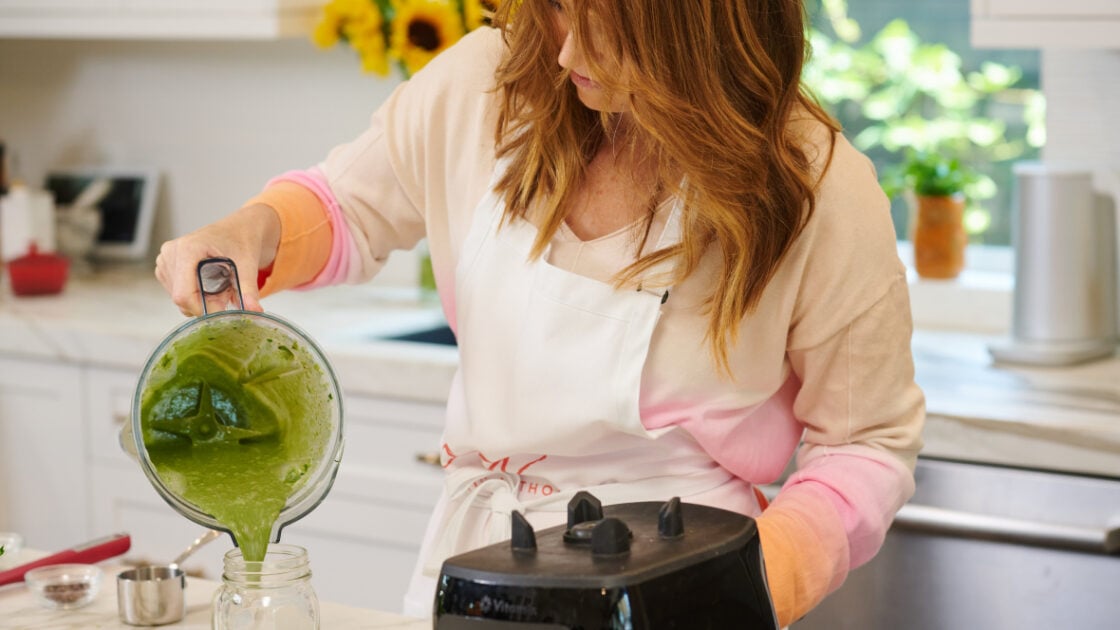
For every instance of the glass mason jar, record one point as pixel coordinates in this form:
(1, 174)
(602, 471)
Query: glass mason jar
(275, 594)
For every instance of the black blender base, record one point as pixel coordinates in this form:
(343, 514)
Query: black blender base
(719, 594)
(630, 566)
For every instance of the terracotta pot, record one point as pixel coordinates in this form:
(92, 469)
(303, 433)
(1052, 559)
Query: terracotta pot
(939, 236)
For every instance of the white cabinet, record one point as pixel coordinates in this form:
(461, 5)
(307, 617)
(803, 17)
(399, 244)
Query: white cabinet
(1082, 24)
(158, 19)
(121, 497)
(44, 483)
(364, 539)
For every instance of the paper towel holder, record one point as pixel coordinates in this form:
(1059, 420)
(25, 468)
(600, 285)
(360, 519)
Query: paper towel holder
(1065, 297)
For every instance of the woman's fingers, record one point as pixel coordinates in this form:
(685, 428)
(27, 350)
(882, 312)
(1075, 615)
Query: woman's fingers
(245, 237)
(177, 269)
(175, 274)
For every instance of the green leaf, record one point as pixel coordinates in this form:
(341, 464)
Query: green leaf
(986, 133)
(889, 102)
(994, 77)
(977, 220)
(869, 138)
(983, 187)
(956, 98)
(936, 68)
(935, 174)
(896, 43)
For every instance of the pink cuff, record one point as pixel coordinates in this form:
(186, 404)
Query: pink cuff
(338, 263)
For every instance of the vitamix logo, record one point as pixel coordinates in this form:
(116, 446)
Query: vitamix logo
(509, 609)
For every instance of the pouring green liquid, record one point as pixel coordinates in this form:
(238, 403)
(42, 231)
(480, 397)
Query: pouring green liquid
(234, 416)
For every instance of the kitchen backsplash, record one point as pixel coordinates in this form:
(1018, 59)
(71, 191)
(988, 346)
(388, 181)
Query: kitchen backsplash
(1082, 88)
(218, 119)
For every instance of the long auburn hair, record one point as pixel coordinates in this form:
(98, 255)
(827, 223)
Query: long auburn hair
(714, 87)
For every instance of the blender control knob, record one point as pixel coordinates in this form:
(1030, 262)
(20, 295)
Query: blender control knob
(670, 522)
(584, 507)
(523, 538)
(610, 537)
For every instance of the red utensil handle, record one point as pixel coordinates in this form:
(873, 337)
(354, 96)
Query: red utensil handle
(89, 553)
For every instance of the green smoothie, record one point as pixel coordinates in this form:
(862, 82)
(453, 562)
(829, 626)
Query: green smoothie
(234, 416)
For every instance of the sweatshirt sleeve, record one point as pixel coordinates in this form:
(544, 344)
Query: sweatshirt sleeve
(863, 414)
(305, 234)
(858, 403)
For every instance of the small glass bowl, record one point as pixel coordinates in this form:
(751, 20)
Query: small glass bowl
(11, 542)
(64, 586)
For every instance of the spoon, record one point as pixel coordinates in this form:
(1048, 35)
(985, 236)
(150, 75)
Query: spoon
(205, 538)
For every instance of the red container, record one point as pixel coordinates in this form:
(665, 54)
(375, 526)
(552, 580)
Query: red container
(38, 274)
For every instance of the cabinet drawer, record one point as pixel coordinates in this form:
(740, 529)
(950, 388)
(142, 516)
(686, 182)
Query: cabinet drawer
(123, 500)
(108, 395)
(43, 453)
(362, 546)
(356, 573)
(383, 439)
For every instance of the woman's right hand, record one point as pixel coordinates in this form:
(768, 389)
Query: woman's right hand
(248, 237)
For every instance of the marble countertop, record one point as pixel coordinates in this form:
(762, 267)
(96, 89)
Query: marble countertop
(1064, 418)
(1055, 418)
(21, 610)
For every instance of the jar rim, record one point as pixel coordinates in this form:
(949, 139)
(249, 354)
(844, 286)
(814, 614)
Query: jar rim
(281, 562)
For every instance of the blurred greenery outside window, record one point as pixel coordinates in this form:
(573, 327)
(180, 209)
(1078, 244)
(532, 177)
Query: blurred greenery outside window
(901, 75)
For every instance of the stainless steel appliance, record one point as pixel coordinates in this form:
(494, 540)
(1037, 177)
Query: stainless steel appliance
(631, 566)
(991, 548)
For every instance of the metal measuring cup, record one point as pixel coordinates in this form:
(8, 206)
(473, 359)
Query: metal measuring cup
(155, 595)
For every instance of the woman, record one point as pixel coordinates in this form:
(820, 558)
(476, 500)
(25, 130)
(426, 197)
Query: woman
(667, 272)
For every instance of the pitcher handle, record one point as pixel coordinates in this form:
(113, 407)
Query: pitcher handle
(218, 282)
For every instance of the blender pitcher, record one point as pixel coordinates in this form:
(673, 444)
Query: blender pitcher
(236, 411)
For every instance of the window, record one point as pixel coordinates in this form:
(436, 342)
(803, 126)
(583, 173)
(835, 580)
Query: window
(901, 74)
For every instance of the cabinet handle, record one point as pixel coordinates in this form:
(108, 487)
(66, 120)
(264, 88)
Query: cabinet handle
(121, 418)
(931, 519)
(431, 459)
(935, 520)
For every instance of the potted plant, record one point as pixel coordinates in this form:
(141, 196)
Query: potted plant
(936, 184)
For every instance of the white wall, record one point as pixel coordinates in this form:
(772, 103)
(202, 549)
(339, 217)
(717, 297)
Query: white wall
(217, 118)
(1082, 90)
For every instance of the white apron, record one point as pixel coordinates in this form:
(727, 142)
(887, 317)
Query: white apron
(545, 402)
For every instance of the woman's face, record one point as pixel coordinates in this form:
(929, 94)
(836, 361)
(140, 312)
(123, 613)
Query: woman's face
(574, 60)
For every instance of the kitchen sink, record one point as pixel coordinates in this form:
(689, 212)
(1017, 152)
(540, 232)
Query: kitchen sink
(439, 335)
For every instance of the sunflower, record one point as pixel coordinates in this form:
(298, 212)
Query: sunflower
(479, 12)
(361, 24)
(328, 30)
(421, 29)
(366, 34)
(335, 15)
